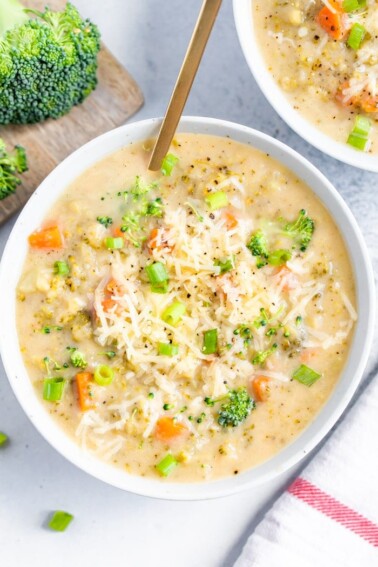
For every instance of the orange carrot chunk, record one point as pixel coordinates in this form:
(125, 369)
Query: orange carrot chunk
(46, 238)
(334, 23)
(83, 383)
(168, 429)
(231, 220)
(260, 388)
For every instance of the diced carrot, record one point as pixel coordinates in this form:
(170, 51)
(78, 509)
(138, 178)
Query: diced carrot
(308, 353)
(287, 278)
(117, 232)
(335, 23)
(83, 383)
(46, 238)
(111, 288)
(231, 220)
(158, 241)
(168, 429)
(364, 100)
(260, 388)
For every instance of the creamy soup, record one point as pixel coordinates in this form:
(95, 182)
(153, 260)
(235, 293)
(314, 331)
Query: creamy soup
(187, 324)
(324, 55)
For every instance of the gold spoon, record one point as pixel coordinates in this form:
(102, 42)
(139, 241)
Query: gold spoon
(188, 71)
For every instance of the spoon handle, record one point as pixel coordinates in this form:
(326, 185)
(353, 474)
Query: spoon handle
(188, 71)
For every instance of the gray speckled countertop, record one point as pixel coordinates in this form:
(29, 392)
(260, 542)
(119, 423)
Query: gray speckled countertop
(112, 527)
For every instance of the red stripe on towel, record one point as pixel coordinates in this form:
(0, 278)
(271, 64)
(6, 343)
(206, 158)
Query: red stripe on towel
(335, 510)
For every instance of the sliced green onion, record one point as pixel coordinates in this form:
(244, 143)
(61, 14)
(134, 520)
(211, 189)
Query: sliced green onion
(168, 349)
(306, 375)
(53, 389)
(60, 521)
(279, 257)
(3, 438)
(61, 268)
(217, 200)
(359, 136)
(210, 341)
(226, 265)
(157, 273)
(114, 243)
(173, 314)
(103, 375)
(168, 164)
(356, 36)
(167, 465)
(353, 5)
(160, 288)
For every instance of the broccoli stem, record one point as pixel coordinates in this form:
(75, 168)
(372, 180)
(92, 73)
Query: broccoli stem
(12, 13)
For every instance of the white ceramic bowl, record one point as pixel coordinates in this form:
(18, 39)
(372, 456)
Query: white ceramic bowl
(243, 14)
(13, 260)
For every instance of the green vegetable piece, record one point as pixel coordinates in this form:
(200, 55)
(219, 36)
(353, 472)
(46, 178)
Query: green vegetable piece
(168, 349)
(353, 5)
(53, 389)
(48, 328)
(167, 465)
(226, 265)
(279, 257)
(306, 375)
(48, 62)
(359, 136)
(61, 268)
(155, 208)
(174, 313)
(3, 439)
(217, 200)
(114, 243)
(103, 375)
(60, 521)
(157, 273)
(356, 36)
(105, 221)
(210, 341)
(110, 354)
(10, 163)
(300, 230)
(261, 356)
(167, 407)
(168, 164)
(78, 359)
(233, 412)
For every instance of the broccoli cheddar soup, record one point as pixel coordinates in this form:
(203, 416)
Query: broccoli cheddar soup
(324, 55)
(188, 323)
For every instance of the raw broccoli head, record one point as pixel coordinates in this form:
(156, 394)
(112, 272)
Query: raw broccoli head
(10, 165)
(48, 62)
(301, 230)
(237, 408)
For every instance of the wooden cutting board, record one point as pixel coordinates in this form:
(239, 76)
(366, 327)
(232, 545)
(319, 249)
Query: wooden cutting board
(116, 98)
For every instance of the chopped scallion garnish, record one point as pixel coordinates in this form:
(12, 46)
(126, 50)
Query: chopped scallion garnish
(3, 438)
(359, 136)
(114, 243)
(210, 341)
(60, 521)
(216, 200)
(356, 36)
(103, 375)
(306, 375)
(174, 313)
(168, 349)
(167, 465)
(353, 5)
(168, 164)
(53, 389)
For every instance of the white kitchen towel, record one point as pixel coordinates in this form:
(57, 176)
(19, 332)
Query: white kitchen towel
(328, 517)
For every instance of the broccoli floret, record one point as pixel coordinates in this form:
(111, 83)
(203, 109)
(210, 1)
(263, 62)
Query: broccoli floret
(236, 409)
(258, 244)
(10, 164)
(48, 62)
(77, 358)
(301, 230)
(105, 221)
(155, 208)
(261, 356)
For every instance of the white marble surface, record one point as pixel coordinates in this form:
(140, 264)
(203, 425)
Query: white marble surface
(112, 527)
